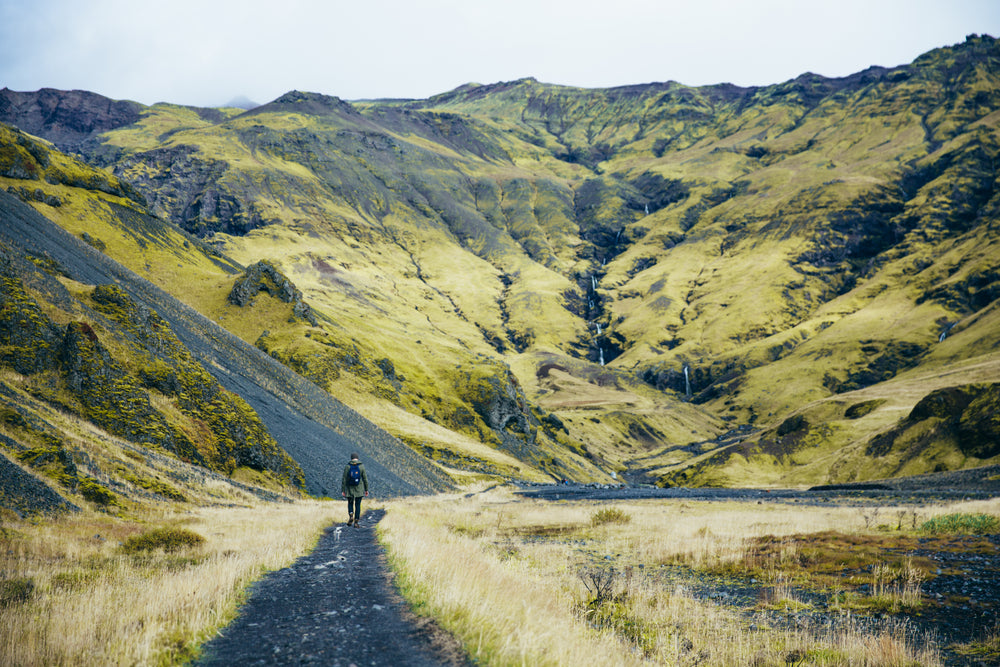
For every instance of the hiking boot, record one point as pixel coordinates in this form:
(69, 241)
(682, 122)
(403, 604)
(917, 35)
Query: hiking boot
(350, 520)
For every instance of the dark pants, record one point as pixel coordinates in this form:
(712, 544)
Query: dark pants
(354, 506)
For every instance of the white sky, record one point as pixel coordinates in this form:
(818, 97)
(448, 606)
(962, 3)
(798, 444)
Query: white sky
(206, 52)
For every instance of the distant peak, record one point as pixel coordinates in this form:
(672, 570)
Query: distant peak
(309, 103)
(241, 102)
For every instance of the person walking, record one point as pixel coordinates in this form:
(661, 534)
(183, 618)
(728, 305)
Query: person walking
(354, 486)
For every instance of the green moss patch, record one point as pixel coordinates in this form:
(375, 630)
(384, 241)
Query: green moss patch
(97, 493)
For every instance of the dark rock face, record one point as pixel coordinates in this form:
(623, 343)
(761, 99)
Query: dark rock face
(265, 277)
(66, 118)
(499, 402)
(26, 494)
(969, 414)
(185, 187)
(497, 398)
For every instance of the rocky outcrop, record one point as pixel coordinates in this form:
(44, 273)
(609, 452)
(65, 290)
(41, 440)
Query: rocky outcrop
(24, 158)
(29, 341)
(67, 118)
(26, 494)
(265, 277)
(112, 398)
(187, 188)
(968, 415)
(499, 402)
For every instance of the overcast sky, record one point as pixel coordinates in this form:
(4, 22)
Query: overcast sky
(207, 52)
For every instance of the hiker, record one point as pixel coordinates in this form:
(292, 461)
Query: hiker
(353, 485)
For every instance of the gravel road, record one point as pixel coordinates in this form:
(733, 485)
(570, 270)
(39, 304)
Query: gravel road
(334, 607)
(337, 607)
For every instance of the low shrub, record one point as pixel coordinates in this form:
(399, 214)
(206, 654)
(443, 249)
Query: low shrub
(610, 515)
(167, 539)
(96, 493)
(617, 617)
(15, 591)
(965, 524)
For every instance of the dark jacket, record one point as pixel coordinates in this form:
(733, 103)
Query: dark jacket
(354, 490)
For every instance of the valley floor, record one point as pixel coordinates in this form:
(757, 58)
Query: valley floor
(338, 605)
(964, 595)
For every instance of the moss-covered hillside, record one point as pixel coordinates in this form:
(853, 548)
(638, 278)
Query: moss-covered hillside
(94, 354)
(707, 285)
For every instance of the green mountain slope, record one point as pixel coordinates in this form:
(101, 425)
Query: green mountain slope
(707, 285)
(94, 355)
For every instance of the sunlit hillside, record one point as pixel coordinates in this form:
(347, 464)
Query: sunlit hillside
(716, 285)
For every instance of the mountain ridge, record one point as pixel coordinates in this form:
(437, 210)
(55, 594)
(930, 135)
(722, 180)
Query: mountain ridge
(610, 280)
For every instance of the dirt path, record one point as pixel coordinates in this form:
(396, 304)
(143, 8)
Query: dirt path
(333, 607)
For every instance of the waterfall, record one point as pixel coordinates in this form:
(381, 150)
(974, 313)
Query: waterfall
(647, 209)
(598, 328)
(687, 381)
(601, 351)
(593, 282)
(944, 334)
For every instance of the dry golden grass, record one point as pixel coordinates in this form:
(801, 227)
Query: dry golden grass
(516, 581)
(93, 604)
(503, 610)
(507, 576)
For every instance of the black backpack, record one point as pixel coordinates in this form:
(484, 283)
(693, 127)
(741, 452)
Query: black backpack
(354, 475)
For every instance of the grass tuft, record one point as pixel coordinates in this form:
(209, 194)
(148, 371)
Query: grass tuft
(611, 515)
(167, 539)
(97, 493)
(961, 523)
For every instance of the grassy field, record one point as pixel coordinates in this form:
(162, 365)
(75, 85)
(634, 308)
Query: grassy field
(525, 582)
(93, 589)
(516, 581)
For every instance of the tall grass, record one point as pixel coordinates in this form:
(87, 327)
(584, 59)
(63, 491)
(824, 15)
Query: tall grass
(94, 602)
(504, 610)
(509, 578)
